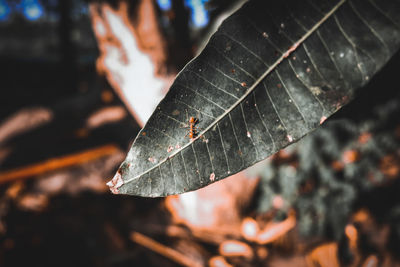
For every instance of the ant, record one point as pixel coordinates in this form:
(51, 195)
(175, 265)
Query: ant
(193, 130)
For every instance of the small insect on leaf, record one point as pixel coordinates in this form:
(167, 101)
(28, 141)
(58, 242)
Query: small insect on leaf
(192, 128)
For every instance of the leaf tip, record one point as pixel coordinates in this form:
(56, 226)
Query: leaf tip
(115, 183)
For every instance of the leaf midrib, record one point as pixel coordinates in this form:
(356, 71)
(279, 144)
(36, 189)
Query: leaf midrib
(251, 89)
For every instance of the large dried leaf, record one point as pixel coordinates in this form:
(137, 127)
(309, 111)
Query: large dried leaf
(268, 76)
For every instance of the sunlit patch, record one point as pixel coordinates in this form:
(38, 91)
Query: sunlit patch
(214, 207)
(15, 189)
(361, 216)
(232, 248)
(371, 261)
(4, 10)
(33, 202)
(352, 235)
(350, 156)
(198, 13)
(275, 230)
(218, 261)
(32, 9)
(105, 115)
(249, 229)
(324, 255)
(278, 202)
(130, 71)
(23, 121)
(164, 4)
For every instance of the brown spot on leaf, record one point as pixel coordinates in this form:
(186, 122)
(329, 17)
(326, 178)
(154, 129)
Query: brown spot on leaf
(212, 177)
(176, 112)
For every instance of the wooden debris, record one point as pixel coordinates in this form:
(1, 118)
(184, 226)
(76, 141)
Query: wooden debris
(323, 256)
(232, 248)
(274, 230)
(218, 261)
(249, 229)
(163, 250)
(57, 163)
(371, 261)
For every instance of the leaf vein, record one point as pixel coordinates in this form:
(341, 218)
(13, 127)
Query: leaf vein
(306, 85)
(223, 148)
(194, 91)
(234, 63)
(276, 111)
(387, 50)
(247, 130)
(213, 85)
(291, 97)
(236, 138)
(383, 13)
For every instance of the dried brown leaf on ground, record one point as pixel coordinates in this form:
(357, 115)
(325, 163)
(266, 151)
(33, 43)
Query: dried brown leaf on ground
(24, 120)
(133, 53)
(215, 208)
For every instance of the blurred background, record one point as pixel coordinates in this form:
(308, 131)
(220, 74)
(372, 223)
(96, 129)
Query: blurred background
(78, 80)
